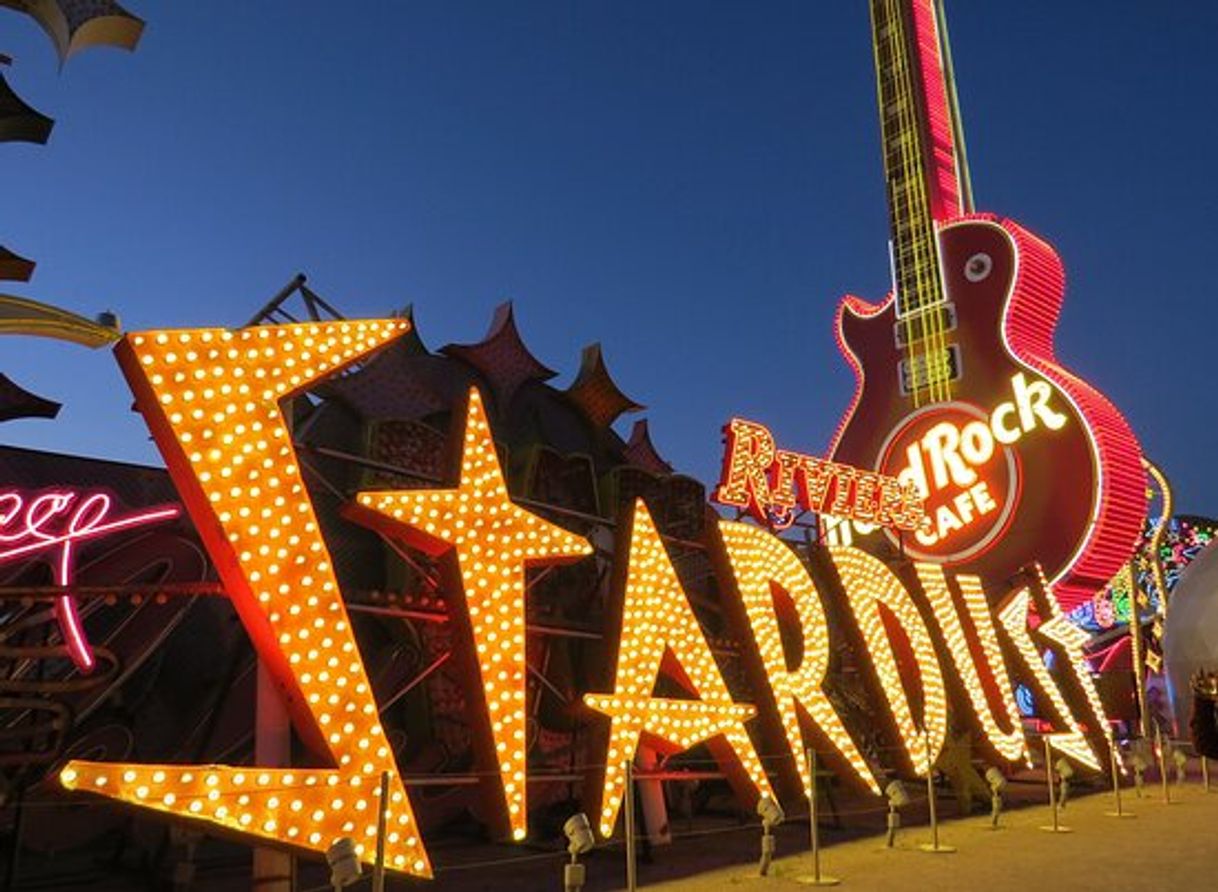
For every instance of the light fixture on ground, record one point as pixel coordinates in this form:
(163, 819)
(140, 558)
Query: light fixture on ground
(579, 841)
(1180, 759)
(344, 863)
(1139, 758)
(771, 815)
(998, 782)
(898, 797)
(1065, 771)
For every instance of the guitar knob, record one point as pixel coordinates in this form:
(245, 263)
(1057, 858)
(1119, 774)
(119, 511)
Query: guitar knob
(978, 267)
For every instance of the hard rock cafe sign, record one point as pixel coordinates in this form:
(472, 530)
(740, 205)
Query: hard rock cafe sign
(959, 458)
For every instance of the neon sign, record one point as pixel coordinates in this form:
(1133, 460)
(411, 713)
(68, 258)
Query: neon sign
(211, 398)
(959, 459)
(494, 541)
(56, 522)
(770, 483)
(957, 382)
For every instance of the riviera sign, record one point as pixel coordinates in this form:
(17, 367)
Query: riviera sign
(212, 397)
(769, 483)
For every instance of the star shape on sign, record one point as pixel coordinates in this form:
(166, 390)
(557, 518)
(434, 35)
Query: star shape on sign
(661, 634)
(494, 540)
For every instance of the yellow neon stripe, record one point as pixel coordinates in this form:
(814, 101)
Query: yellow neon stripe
(22, 316)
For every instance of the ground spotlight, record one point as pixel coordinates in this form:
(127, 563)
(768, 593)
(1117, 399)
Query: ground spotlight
(1139, 758)
(1180, 759)
(771, 815)
(344, 863)
(579, 842)
(898, 797)
(997, 781)
(1065, 771)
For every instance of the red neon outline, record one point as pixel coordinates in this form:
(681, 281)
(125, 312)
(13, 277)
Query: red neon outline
(1029, 322)
(859, 309)
(82, 526)
(944, 180)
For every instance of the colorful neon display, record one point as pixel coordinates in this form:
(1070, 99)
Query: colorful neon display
(494, 541)
(958, 386)
(770, 483)
(57, 522)
(212, 400)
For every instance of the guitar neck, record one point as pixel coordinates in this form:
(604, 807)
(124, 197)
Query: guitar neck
(923, 146)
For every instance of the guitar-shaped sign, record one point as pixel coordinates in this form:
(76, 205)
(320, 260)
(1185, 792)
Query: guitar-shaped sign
(958, 388)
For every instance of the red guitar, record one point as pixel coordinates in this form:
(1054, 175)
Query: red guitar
(958, 388)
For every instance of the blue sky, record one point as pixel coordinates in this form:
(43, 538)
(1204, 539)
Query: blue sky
(694, 184)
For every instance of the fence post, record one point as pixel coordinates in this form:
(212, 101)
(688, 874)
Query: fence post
(1056, 826)
(628, 805)
(378, 869)
(934, 847)
(1162, 765)
(817, 878)
(1116, 781)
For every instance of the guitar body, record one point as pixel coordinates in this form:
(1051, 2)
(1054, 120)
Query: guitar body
(1023, 461)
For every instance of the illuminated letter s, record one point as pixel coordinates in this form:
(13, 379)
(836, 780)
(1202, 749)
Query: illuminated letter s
(211, 399)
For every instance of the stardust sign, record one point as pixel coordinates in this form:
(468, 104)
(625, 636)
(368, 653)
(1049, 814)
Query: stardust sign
(933, 648)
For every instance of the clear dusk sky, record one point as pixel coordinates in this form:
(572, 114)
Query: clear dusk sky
(693, 184)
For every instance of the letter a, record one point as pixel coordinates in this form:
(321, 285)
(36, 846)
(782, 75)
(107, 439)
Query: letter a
(659, 627)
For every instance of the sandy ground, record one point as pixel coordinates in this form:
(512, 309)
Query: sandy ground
(1165, 847)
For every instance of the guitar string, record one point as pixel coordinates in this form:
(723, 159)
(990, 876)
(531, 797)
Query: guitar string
(905, 249)
(934, 352)
(942, 363)
(888, 91)
(920, 366)
(917, 209)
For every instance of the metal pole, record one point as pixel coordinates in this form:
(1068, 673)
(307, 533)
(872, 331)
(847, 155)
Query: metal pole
(378, 869)
(934, 846)
(930, 798)
(631, 879)
(1116, 781)
(1056, 826)
(812, 815)
(817, 878)
(1162, 766)
(10, 873)
(1049, 777)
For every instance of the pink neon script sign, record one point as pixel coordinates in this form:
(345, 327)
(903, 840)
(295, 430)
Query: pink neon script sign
(55, 521)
